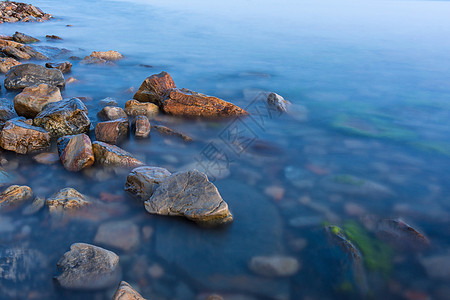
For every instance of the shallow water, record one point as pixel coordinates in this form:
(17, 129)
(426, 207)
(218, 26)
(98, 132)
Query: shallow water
(368, 82)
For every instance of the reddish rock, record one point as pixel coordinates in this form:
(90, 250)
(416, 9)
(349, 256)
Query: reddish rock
(110, 155)
(111, 113)
(64, 67)
(135, 108)
(112, 132)
(32, 99)
(126, 292)
(22, 138)
(7, 63)
(142, 127)
(75, 152)
(154, 88)
(185, 103)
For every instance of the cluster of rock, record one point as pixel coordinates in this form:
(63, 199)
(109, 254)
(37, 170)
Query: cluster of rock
(11, 12)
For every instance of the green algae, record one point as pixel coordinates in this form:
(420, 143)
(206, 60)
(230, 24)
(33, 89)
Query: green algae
(348, 179)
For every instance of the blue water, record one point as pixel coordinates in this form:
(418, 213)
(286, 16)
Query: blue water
(369, 86)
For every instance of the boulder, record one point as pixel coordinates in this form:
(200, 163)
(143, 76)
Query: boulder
(122, 235)
(14, 197)
(113, 131)
(34, 98)
(24, 38)
(66, 117)
(190, 194)
(135, 108)
(88, 267)
(155, 88)
(110, 155)
(274, 266)
(75, 152)
(64, 67)
(276, 101)
(24, 75)
(33, 53)
(7, 111)
(67, 200)
(186, 103)
(142, 126)
(143, 181)
(7, 63)
(22, 138)
(16, 53)
(126, 292)
(168, 131)
(111, 113)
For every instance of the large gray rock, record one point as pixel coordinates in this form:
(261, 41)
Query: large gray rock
(88, 267)
(22, 138)
(32, 99)
(143, 181)
(192, 195)
(126, 292)
(24, 75)
(66, 117)
(110, 155)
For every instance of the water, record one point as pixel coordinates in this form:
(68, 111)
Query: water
(367, 139)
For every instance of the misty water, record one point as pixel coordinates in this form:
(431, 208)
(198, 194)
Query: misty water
(366, 139)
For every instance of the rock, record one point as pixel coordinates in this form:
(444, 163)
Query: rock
(32, 99)
(155, 88)
(400, 234)
(7, 63)
(113, 131)
(108, 101)
(53, 37)
(16, 53)
(14, 197)
(142, 126)
(167, 131)
(35, 206)
(122, 235)
(22, 138)
(24, 75)
(23, 38)
(75, 152)
(437, 266)
(143, 181)
(88, 267)
(89, 60)
(64, 67)
(107, 55)
(126, 292)
(276, 101)
(66, 117)
(109, 113)
(11, 11)
(7, 111)
(66, 200)
(71, 80)
(135, 108)
(186, 103)
(274, 266)
(33, 53)
(192, 195)
(46, 158)
(110, 155)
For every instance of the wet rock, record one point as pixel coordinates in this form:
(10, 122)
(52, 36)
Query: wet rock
(25, 75)
(111, 113)
(14, 197)
(155, 88)
(122, 235)
(110, 155)
(108, 101)
(71, 80)
(24, 38)
(186, 103)
(112, 132)
(192, 195)
(35, 206)
(142, 126)
(351, 185)
(16, 53)
(167, 131)
(400, 234)
(32, 99)
(135, 108)
(7, 63)
(437, 266)
(33, 53)
(143, 181)
(102, 57)
(276, 101)
(7, 111)
(88, 267)
(46, 158)
(75, 152)
(274, 266)
(64, 67)
(66, 200)
(11, 11)
(22, 138)
(53, 37)
(126, 292)
(66, 117)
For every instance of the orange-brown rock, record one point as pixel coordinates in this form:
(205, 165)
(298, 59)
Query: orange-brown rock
(22, 138)
(75, 152)
(142, 126)
(186, 103)
(14, 197)
(112, 132)
(32, 99)
(154, 88)
(111, 113)
(126, 292)
(135, 108)
(110, 155)
(64, 67)
(7, 63)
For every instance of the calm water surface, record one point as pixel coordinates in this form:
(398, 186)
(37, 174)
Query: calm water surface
(366, 139)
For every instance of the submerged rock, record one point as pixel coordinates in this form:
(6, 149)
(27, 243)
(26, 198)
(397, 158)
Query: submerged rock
(110, 155)
(142, 126)
(155, 88)
(88, 267)
(126, 292)
(66, 117)
(22, 138)
(123, 235)
(24, 75)
(351, 185)
(192, 195)
(66, 200)
(274, 266)
(53, 37)
(135, 108)
(112, 132)
(168, 131)
(33, 99)
(35, 206)
(143, 181)
(401, 235)
(75, 152)
(7, 111)
(64, 67)
(7, 63)
(278, 102)
(24, 38)
(46, 158)
(109, 113)
(14, 197)
(102, 57)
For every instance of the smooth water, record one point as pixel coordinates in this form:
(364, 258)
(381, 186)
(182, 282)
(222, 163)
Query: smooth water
(367, 139)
